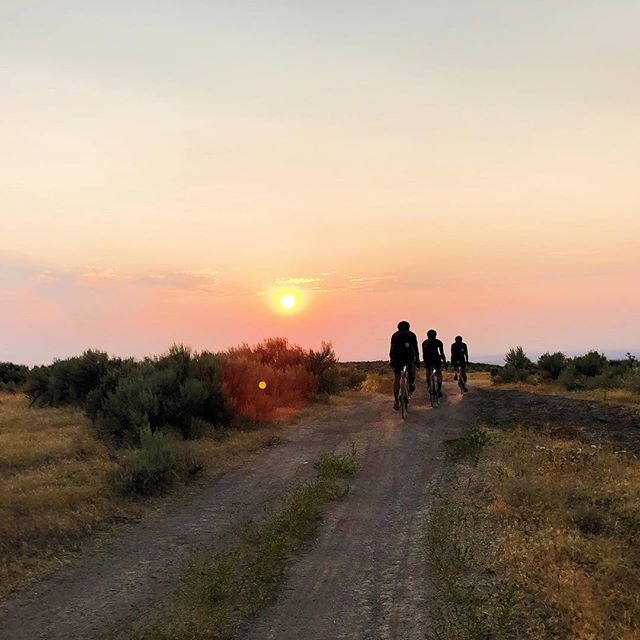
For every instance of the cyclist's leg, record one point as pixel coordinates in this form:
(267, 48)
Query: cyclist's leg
(439, 378)
(463, 373)
(396, 384)
(397, 372)
(411, 370)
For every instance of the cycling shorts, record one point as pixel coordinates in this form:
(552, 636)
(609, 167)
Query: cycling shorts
(437, 364)
(397, 365)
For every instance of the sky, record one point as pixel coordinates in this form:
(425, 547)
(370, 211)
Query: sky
(168, 168)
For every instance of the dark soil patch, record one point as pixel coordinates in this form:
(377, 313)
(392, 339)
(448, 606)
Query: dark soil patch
(592, 422)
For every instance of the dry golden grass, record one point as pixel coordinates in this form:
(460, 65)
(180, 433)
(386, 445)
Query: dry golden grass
(610, 396)
(566, 524)
(53, 489)
(54, 483)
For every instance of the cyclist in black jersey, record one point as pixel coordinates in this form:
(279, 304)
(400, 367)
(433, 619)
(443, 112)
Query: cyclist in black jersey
(460, 359)
(403, 351)
(433, 356)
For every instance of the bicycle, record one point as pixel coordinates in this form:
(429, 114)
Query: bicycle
(461, 382)
(404, 395)
(432, 387)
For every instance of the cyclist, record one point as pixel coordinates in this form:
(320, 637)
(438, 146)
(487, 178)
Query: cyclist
(460, 360)
(433, 356)
(404, 351)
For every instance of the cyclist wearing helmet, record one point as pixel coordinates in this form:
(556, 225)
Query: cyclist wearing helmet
(404, 351)
(460, 360)
(433, 356)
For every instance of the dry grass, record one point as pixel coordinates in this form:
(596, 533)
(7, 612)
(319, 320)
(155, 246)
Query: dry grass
(550, 387)
(53, 489)
(539, 540)
(54, 483)
(567, 523)
(221, 591)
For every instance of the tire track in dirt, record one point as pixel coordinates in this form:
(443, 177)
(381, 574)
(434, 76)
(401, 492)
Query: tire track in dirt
(365, 576)
(108, 587)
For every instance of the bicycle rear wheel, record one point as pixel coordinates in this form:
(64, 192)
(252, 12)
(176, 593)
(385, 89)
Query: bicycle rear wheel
(433, 392)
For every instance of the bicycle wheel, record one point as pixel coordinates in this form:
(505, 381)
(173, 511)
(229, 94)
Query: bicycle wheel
(433, 392)
(460, 384)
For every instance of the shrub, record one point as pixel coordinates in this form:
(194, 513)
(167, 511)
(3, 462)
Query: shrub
(170, 390)
(12, 376)
(570, 378)
(510, 374)
(590, 364)
(631, 380)
(67, 381)
(552, 364)
(332, 376)
(517, 359)
(610, 378)
(154, 467)
(283, 388)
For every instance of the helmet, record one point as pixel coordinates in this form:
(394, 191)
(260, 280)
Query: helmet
(403, 325)
(458, 338)
(432, 333)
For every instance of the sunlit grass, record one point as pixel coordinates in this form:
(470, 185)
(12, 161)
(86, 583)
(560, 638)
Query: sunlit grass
(544, 537)
(55, 489)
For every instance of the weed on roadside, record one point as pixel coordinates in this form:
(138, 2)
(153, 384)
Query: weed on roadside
(468, 446)
(223, 590)
(470, 602)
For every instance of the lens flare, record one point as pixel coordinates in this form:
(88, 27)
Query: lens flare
(262, 385)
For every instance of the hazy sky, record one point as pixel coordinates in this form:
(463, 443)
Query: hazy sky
(471, 165)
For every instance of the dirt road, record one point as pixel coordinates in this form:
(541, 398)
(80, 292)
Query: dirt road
(362, 578)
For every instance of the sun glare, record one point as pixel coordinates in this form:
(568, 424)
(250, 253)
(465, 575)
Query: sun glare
(287, 301)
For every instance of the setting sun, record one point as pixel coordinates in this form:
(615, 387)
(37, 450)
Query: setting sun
(288, 300)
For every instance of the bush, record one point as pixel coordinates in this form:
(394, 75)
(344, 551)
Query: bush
(67, 381)
(170, 390)
(552, 364)
(290, 387)
(610, 378)
(12, 376)
(517, 359)
(509, 374)
(631, 380)
(570, 378)
(591, 364)
(154, 467)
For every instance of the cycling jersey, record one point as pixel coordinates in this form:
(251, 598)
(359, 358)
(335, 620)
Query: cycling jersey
(432, 351)
(404, 349)
(459, 354)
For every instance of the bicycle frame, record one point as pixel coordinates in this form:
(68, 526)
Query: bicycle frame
(404, 395)
(432, 387)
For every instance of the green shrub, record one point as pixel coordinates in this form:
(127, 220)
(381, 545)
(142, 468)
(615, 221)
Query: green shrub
(67, 381)
(518, 359)
(631, 380)
(552, 364)
(610, 378)
(591, 364)
(171, 390)
(570, 378)
(12, 376)
(509, 374)
(154, 467)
